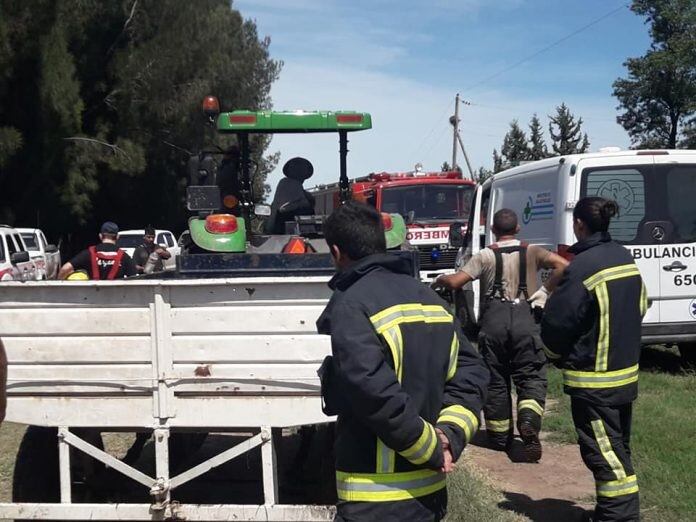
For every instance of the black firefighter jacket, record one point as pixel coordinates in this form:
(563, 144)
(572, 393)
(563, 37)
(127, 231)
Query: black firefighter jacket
(592, 322)
(399, 368)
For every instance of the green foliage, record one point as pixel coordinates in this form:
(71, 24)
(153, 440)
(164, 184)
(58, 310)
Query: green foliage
(10, 142)
(536, 149)
(566, 138)
(100, 105)
(497, 161)
(514, 147)
(658, 97)
(482, 174)
(566, 134)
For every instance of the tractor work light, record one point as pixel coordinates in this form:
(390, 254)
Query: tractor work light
(243, 119)
(211, 106)
(230, 201)
(221, 224)
(349, 118)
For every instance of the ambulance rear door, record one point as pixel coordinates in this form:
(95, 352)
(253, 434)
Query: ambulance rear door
(675, 231)
(629, 180)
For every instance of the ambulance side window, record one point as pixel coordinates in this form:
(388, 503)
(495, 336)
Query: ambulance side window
(626, 186)
(681, 194)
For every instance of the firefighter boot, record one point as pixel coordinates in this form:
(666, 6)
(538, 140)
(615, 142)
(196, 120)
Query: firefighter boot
(529, 425)
(500, 434)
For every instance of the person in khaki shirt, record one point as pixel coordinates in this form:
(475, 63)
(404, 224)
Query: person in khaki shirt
(509, 336)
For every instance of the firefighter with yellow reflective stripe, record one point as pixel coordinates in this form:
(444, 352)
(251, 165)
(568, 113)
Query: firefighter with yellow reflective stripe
(592, 330)
(406, 387)
(509, 337)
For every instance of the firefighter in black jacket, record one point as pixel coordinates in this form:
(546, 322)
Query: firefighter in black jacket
(592, 330)
(407, 388)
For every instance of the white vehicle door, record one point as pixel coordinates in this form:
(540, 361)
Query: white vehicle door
(174, 249)
(6, 268)
(675, 223)
(629, 181)
(478, 231)
(26, 270)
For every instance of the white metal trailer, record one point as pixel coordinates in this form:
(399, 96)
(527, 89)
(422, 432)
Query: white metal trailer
(201, 354)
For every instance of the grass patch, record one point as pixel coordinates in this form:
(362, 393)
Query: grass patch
(10, 437)
(663, 440)
(472, 497)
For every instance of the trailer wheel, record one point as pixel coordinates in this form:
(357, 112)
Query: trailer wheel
(687, 351)
(36, 473)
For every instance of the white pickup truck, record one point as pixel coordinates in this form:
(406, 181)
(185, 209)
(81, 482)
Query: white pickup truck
(46, 257)
(208, 355)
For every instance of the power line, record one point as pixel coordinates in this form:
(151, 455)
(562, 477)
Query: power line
(550, 46)
(439, 121)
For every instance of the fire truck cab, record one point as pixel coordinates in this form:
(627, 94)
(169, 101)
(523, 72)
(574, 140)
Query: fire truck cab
(429, 202)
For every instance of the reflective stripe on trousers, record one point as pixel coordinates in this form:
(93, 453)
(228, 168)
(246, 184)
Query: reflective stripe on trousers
(383, 487)
(598, 380)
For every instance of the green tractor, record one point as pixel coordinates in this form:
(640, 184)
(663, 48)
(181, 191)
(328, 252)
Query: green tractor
(223, 234)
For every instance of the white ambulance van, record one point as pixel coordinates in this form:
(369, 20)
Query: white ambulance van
(656, 193)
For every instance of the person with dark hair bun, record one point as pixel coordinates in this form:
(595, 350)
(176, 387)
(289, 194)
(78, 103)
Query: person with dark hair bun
(592, 331)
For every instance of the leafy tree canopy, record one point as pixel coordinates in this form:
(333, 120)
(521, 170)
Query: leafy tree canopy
(100, 105)
(657, 99)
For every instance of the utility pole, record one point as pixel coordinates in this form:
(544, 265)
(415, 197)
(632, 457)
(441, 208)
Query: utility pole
(457, 139)
(454, 120)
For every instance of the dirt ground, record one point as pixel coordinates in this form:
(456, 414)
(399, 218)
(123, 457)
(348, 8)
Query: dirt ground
(558, 487)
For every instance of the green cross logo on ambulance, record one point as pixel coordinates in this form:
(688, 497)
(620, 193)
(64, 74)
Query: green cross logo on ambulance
(538, 208)
(656, 192)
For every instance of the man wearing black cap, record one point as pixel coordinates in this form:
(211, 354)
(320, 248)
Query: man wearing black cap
(104, 261)
(152, 251)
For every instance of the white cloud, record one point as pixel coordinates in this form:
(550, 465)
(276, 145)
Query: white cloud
(410, 120)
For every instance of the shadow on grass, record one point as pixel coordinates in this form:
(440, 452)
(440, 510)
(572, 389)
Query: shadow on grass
(544, 510)
(661, 359)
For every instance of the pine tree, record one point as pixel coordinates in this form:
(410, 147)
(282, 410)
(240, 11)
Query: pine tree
(482, 174)
(568, 136)
(585, 145)
(514, 147)
(497, 161)
(537, 148)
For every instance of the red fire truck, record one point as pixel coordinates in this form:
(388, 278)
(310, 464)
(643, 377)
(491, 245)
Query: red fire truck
(429, 201)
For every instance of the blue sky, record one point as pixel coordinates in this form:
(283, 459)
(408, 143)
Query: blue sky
(404, 61)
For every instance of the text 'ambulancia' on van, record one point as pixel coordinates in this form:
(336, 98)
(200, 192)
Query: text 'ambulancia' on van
(656, 193)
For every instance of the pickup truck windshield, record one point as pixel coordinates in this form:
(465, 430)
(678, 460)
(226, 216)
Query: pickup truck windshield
(129, 240)
(30, 241)
(429, 201)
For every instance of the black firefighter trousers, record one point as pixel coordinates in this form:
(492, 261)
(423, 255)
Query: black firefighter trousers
(510, 345)
(430, 508)
(604, 434)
